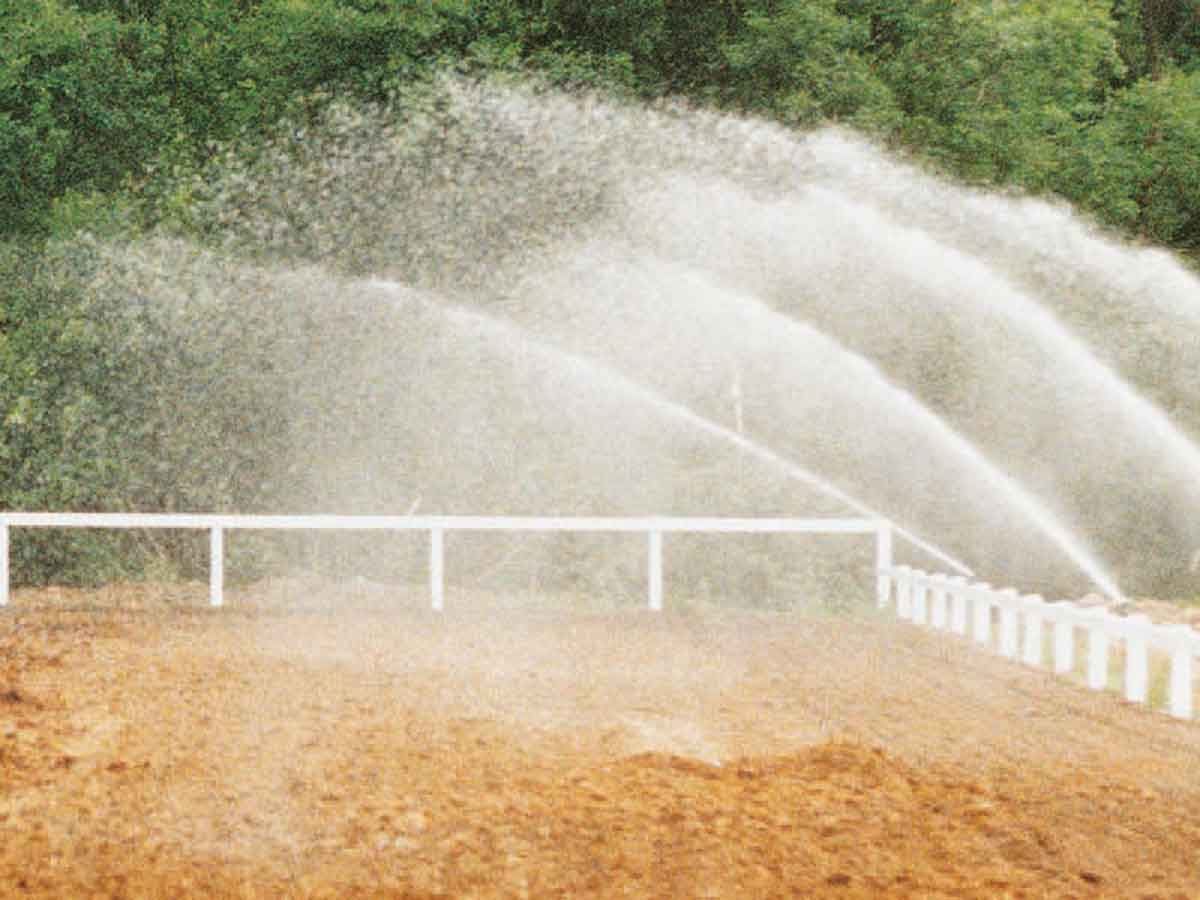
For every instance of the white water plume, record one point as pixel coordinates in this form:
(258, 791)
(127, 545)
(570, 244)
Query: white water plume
(596, 375)
(1033, 241)
(873, 389)
(966, 277)
(681, 309)
(873, 283)
(1024, 389)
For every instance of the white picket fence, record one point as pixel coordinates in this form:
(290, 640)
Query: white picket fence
(437, 526)
(952, 603)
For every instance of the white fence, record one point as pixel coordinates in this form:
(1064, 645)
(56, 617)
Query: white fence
(437, 526)
(951, 603)
(945, 602)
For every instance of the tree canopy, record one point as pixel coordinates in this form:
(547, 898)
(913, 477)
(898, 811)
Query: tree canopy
(1092, 100)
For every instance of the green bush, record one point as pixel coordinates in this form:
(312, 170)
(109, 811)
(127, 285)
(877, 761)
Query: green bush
(1137, 167)
(80, 107)
(116, 397)
(803, 63)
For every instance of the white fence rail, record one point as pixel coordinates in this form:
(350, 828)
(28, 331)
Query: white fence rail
(951, 603)
(437, 526)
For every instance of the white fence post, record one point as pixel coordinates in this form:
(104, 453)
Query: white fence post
(1034, 629)
(437, 580)
(4, 564)
(904, 592)
(937, 602)
(216, 566)
(982, 598)
(654, 586)
(1009, 601)
(1137, 658)
(958, 604)
(1064, 638)
(1097, 629)
(1181, 672)
(883, 564)
(920, 597)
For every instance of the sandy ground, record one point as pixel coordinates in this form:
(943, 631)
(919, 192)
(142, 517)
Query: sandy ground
(306, 743)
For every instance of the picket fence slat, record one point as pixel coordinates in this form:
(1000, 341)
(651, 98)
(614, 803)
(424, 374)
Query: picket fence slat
(1023, 621)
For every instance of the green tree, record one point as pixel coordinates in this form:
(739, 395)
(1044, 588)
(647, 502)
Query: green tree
(119, 393)
(1156, 35)
(1170, 33)
(997, 91)
(803, 62)
(688, 54)
(79, 107)
(1137, 167)
(291, 48)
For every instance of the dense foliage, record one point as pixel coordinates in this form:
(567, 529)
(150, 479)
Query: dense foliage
(1094, 100)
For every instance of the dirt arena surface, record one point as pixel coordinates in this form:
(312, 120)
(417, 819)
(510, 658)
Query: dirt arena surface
(303, 742)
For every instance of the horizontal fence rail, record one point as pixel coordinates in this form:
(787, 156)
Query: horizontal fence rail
(437, 526)
(1026, 623)
(446, 523)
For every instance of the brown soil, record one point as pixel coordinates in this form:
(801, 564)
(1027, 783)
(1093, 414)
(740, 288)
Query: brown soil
(304, 743)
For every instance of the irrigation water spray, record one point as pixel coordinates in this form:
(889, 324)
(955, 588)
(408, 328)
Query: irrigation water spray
(912, 360)
(775, 358)
(577, 367)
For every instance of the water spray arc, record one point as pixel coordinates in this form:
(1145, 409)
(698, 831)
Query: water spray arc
(958, 445)
(971, 368)
(1031, 389)
(685, 303)
(595, 373)
(1024, 312)
(1041, 242)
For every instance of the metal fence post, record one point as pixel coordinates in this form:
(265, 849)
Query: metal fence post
(216, 566)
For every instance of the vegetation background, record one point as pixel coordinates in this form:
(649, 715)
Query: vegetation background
(111, 109)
